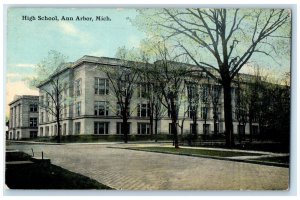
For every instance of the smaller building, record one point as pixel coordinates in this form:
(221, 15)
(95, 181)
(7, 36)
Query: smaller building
(23, 122)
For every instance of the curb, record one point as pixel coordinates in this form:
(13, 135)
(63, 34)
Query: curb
(31, 142)
(211, 157)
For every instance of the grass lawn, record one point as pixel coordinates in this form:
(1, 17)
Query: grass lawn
(194, 152)
(39, 176)
(278, 159)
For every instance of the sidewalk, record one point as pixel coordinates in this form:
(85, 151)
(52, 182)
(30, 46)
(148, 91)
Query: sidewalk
(247, 159)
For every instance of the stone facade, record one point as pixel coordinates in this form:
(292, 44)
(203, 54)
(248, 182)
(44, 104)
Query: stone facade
(78, 112)
(23, 122)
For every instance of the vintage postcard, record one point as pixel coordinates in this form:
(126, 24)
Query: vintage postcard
(143, 99)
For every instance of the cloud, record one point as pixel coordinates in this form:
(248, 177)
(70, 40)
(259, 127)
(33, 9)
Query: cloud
(25, 65)
(13, 75)
(69, 29)
(17, 88)
(22, 65)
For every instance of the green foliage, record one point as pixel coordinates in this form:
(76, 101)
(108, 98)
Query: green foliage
(35, 176)
(102, 138)
(195, 152)
(51, 64)
(279, 159)
(16, 156)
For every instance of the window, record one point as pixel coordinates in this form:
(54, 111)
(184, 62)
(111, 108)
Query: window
(33, 134)
(171, 128)
(47, 100)
(42, 99)
(33, 107)
(216, 92)
(119, 128)
(55, 129)
(101, 86)
(65, 129)
(255, 130)
(47, 131)
(255, 117)
(216, 127)
(42, 117)
(205, 129)
(217, 113)
(65, 111)
(101, 128)
(143, 128)
(101, 108)
(78, 87)
(241, 129)
(46, 116)
(78, 108)
(143, 110)
(33, 122)
(204, 93)
(191, 91)
(65, 89)
(192, 111)
(77, 128)
(143, 90)
(61, 113)
(193, 127)
(41, 131)
(204, 112)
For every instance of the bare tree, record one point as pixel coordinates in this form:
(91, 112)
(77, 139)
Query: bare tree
(51, 83)
(166, 77)
(123, 79)
(194, 97)
(241, 107)
(149, 89)
(156, 107)
(227, 37)
(215, 94)
(170, 77)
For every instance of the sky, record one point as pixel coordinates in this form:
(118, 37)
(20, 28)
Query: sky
(28, 42)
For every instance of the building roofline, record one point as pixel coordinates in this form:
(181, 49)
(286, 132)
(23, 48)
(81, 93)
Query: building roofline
(55, 74)
(23, 97)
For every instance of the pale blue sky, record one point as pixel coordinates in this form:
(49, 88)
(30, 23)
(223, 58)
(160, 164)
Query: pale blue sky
(28, 42)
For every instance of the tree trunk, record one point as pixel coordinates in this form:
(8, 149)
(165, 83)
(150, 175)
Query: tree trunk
(58, 132)
(175, 134)
(155, 129)
(181, 129)
(251, 130)
(228, 114)
(239, 132)
(205, 126)
(174, 123)
(125, 129)
(151, 124)
(195, 130)
(215, 123)
(125, 123)
(58, 127)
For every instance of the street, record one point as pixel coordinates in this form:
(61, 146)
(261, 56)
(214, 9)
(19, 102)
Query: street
(136, 170)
